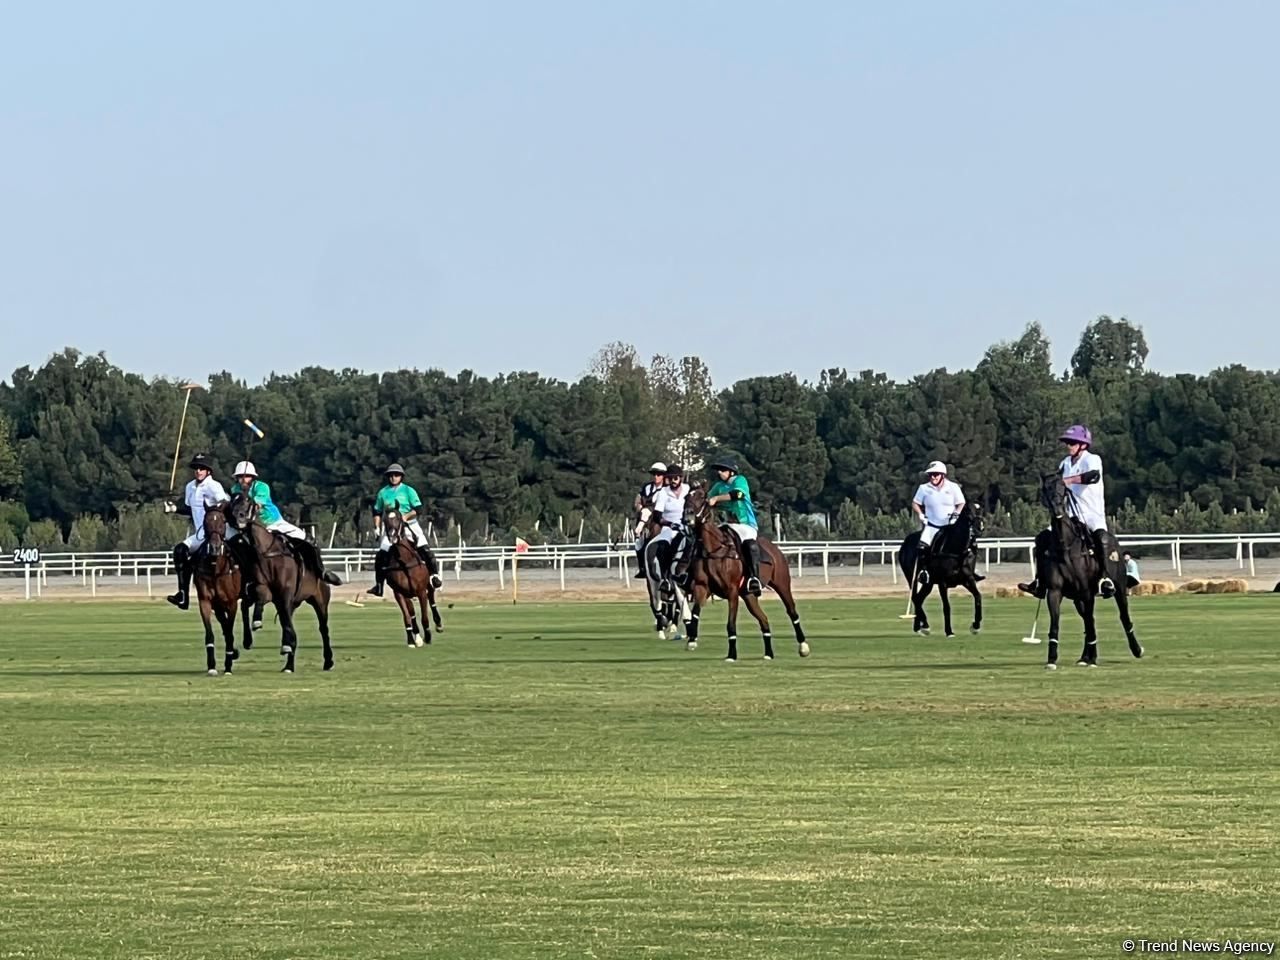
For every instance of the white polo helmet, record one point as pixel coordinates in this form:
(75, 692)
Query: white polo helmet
(658, 467)
(245, 468)
(937, 466)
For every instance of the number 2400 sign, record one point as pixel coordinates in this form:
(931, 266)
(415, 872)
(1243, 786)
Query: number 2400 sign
(27, 555)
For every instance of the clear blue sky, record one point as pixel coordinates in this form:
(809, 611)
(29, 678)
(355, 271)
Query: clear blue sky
(772, 186)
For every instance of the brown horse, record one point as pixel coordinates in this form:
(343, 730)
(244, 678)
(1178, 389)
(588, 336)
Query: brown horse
(717, 571)
(285, 573)
(410, 579)
(218, 584)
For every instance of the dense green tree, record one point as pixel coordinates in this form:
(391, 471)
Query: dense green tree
(86, 448)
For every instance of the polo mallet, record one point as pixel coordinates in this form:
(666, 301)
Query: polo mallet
(911, 588)
(1034, 624)
(256, 430)
(177, 450)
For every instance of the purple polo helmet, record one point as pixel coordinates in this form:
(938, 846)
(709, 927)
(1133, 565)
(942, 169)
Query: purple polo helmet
(1078, 433)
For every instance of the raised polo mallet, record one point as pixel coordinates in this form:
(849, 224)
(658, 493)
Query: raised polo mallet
(177, 450)
(257, 432)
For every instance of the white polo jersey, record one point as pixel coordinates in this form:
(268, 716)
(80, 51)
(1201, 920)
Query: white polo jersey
(199, 497)
(940, 502)
(1088, 498)
(668, 503)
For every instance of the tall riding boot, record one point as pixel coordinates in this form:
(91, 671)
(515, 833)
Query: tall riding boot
(1106, 586)
(182, 566)
(433, 568)
(379, 573)
(330, 578)
(752, 558)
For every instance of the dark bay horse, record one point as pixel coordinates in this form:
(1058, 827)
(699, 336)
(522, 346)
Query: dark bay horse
(286, 575)
(410, 579)
(951, 563)
(717, 571)
(1067, 567)
(218, 581)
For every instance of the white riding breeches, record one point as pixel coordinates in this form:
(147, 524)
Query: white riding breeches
(288, 529)
(280, 526)
(415, 534)
(195, 541)
(929, 533)
(745, 533)
(666, 535)
(1093, 521)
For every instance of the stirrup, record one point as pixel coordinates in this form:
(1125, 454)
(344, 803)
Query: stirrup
(435, 581)
(754, 586)
(1107, 588)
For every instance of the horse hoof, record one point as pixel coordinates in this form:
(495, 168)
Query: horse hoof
(287, 670)
(767, 657)
(923, 631)
(256, 625)
(951, 636)
(1051, 666)
(213, 673)
(730, 659)
(248, 643)
(328, 665)
(691, 645)
(804, 649)
(1082, 662)
(417, 640)
(975, 630)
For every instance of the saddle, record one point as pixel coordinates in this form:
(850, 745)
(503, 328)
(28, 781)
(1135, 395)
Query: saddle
(735, 542)
(948, 544)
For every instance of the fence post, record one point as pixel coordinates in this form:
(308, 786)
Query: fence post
(502, 570)
(862, 558)
(826, 572)
(1252, 572)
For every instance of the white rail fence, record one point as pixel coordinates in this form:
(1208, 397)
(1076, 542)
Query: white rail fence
(597, 560)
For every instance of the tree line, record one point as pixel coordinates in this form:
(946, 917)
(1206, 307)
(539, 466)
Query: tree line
(86, 448)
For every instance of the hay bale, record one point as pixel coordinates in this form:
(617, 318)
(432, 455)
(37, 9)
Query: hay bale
(1152, 588)
(1192, 586)
(1005, 593)
(1231, 585)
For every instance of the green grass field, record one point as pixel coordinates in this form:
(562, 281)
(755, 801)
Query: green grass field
(550, 781)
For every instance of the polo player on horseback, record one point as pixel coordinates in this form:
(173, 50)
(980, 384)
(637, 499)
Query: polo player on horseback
(668, 508)
(399, 496)
(733, 491)
(200, 494)
(1082, 474)
(644, 498)
(938, 503)
(269, 516)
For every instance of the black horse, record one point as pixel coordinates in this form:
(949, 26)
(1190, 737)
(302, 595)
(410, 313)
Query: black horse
(1067, 565)
(952, 562)
(288, 573)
